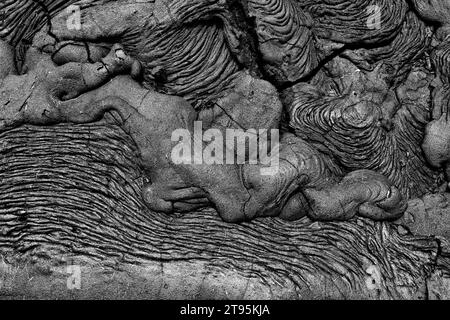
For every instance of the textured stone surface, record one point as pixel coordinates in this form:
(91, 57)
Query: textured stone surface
(70, 206)
(357, 96)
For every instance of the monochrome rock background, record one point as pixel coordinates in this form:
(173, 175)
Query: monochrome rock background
(70, 194)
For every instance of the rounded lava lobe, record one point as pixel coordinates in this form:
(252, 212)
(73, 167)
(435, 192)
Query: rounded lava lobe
(360, 112)
(436, 145)
(434, 10)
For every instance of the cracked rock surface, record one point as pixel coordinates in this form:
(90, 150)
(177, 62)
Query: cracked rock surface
(358, 208)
